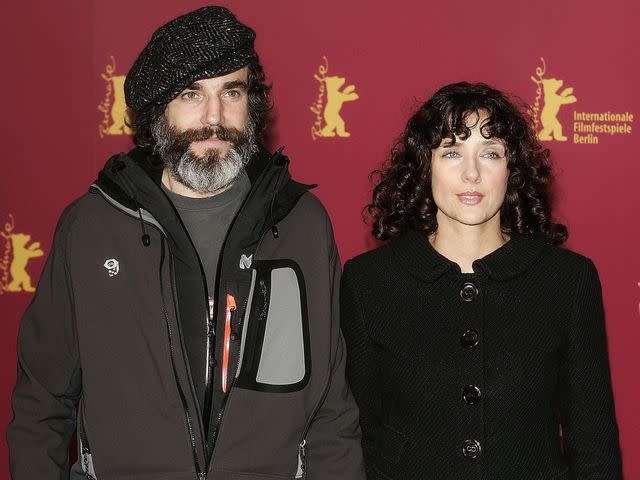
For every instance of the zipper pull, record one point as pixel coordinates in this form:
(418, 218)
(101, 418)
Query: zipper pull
(85, 463)
(202, 476)
(302, 459)
(303, 450)
(210, 327)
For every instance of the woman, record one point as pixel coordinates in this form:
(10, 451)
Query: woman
(476, 348)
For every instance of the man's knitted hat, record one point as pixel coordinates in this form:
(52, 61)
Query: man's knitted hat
(208, 42)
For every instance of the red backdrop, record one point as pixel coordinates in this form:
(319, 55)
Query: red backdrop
(62, 69)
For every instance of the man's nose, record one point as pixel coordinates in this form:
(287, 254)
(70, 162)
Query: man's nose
(212, 113)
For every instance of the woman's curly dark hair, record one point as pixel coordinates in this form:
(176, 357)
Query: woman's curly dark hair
(260, 105)
(403, 200)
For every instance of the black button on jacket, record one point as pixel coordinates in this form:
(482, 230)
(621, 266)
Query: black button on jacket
(472, 376)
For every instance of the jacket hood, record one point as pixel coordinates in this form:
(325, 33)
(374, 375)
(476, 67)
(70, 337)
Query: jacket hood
(133, 180)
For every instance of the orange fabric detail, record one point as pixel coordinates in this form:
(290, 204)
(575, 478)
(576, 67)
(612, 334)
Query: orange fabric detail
(231, 305)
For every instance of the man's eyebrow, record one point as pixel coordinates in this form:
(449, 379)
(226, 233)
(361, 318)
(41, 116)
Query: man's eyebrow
(235, 84)
(492, 142)
(194, 86)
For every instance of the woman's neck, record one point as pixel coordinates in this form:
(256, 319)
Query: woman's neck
(463, 244)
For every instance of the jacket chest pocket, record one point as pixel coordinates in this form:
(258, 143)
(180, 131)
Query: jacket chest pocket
(274, 349)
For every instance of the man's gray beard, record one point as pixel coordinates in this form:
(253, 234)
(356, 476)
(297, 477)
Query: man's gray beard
(208, 173)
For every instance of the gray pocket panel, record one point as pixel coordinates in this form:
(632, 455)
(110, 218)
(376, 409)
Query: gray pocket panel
(282, 361)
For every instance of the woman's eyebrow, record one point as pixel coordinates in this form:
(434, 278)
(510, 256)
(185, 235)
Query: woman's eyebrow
(492, 142)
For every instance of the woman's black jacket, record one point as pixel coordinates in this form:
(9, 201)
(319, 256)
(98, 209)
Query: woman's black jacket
(498, 374)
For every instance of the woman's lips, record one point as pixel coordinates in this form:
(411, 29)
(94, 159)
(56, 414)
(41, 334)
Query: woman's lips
(470, 198)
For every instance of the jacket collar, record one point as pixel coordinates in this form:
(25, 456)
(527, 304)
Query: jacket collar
(414, 253)
(133, 179)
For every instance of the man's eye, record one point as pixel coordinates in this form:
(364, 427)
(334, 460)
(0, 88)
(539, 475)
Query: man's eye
(190, 95)
(492, 155)
(232, 94)
(451, 154)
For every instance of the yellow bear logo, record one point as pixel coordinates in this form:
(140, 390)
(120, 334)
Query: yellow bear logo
(551, 127)
(334, 123)
(20, 279)
(119, 115)
(115, 118)
(328, 121)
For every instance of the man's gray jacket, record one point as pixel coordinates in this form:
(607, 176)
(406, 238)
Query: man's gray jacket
(117, 332)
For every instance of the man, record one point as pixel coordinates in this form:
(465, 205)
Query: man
(189, 304)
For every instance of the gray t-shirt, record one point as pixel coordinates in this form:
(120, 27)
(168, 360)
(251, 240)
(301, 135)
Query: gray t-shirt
(207, 221)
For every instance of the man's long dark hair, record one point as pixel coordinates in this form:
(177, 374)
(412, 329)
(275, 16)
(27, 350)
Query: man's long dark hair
(259, 107)
(403, 200)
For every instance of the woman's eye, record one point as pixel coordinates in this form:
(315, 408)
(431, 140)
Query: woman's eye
(492, 155)
(451, 154)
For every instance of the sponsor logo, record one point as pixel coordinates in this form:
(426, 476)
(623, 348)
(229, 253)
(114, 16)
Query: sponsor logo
(113, 106)
(588, 127)
(113, 266)
(17, 253)
(331, 97)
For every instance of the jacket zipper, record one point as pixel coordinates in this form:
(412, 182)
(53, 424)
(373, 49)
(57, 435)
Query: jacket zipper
(86, 449)
(210, 337)
(208, 380)
(201, 475)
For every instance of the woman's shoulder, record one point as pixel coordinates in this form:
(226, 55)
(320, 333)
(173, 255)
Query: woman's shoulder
(565, 258)
(368, 262)
(562, 269)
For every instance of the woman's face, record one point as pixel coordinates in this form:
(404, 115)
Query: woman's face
(469, 179)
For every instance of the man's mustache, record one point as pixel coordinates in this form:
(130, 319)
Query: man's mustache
(227, 134)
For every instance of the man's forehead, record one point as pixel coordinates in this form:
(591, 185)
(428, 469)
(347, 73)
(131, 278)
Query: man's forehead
(238, 78)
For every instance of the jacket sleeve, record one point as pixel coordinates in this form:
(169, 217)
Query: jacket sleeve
(48, 381)
(361, 366)
(334, 450)
(587, 411)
